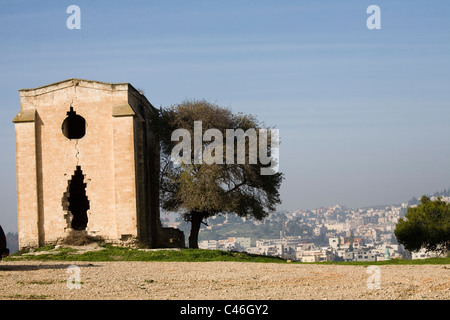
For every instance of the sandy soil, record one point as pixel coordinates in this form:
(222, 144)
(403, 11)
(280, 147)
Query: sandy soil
(219, 280)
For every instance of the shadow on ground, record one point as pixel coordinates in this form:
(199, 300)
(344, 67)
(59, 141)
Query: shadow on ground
(30, 267)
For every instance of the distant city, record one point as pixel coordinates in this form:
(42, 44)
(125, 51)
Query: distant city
(333, 233)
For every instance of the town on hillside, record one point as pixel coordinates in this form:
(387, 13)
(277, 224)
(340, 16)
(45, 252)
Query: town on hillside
(333, 233)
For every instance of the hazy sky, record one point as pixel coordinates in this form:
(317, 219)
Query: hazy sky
(364, 115)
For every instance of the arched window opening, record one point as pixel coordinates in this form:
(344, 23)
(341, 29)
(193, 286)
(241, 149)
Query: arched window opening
(74, 126)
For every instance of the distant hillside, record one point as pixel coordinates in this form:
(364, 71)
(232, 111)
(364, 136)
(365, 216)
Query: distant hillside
(443, 193)
(413, 200)
(12, 240)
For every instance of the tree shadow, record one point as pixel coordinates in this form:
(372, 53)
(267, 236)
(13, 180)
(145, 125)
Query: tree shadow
(33, 267)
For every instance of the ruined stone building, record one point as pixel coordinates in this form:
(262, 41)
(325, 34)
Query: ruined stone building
(87, 158)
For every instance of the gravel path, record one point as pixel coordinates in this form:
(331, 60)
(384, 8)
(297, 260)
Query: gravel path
(220, 280)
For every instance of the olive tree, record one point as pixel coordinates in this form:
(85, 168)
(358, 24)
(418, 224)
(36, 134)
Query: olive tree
(225, 178)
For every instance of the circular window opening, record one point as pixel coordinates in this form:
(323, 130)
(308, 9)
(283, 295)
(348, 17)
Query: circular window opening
(74, 126)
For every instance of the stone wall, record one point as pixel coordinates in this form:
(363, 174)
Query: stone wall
(118, 156)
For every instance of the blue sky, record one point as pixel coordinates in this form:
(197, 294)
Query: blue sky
(363, 114)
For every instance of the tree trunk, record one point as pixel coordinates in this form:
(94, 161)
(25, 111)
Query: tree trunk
(196, 221)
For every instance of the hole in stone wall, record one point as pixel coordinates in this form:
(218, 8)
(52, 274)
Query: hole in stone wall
(78, 201)
(74, 126)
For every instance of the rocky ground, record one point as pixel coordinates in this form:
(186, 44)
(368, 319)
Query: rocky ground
(219, 280)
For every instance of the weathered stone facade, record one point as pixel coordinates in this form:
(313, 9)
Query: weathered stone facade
(87, 158)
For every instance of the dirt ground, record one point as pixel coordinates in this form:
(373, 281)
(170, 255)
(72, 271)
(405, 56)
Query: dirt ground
(219, 281)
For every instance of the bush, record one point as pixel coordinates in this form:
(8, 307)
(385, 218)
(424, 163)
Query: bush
(425, 226)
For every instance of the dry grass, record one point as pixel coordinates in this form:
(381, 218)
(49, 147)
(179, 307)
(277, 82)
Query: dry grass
(80, 238)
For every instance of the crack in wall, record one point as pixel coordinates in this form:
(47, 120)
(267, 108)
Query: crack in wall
(78, 152)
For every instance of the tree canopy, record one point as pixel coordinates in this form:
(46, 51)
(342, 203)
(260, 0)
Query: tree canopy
(425, 226)
(200, 190)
